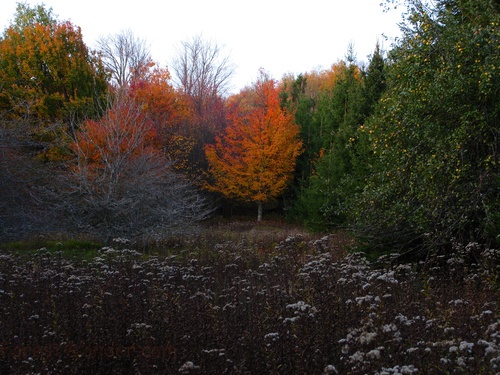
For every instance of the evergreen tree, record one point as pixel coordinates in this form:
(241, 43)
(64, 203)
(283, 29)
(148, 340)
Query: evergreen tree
(374, 80)
(435, 134)
(336, 120)
(297, 101)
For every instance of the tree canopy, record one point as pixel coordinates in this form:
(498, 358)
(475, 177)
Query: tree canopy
(50, 79)
(255, 158)
(435, 133)
(402, 149)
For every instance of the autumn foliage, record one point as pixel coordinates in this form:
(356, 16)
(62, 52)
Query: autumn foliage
(164, 105)
(255, 158)
(47, 72)
(169, 112)
(123, 178)
(49, 81)
(122, 134)
(404, 150)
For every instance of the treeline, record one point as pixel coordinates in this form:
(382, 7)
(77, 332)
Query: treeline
(101, 143)
(403, 150)
(407, 150)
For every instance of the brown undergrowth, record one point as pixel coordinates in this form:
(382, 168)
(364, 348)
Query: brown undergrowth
(243, 298)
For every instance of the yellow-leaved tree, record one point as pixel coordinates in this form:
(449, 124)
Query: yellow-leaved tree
(254, 159)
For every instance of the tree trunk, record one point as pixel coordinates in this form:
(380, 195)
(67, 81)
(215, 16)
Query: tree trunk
(259, 211)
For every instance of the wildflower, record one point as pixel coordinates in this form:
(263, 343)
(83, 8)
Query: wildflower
(367, 337)
(466, 346)
(387, 328)
(120, 240)
(187, 367)
(357, 357)
(299, 306)
(373, 354)
(330, 370)
(291, 320)
(273, 336)
(408, 369)
(388, 277)
(457, 302)
(485, 312)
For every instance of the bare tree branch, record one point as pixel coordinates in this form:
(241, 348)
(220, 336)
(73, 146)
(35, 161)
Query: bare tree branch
(202, 73)
(125, 187)
(201, 70)
(124, 56)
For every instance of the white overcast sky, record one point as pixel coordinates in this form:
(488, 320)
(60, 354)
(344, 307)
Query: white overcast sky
(281, 36)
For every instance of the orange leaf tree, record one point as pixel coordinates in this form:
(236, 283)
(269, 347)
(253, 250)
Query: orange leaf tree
(49, 66)
(255, 158)
(106, 150)
(122, 181)
(49, 80)
(169, 112)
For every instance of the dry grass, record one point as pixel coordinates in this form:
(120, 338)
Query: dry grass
(249, 299)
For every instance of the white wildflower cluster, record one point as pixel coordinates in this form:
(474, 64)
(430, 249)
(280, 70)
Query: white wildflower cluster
(361, 346)
(300, 306)
(121, 241)
(322, 244)
(290, 244)
(398, 370)
(187, 367)
(300, 309)
(388, 277)
(138, 328)
(457, 302)
(492, 345)
(296, 308)
(215, 352)
(271, 338)
(316, 268)
(330, 370)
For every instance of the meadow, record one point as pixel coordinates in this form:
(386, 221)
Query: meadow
(242, 298)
